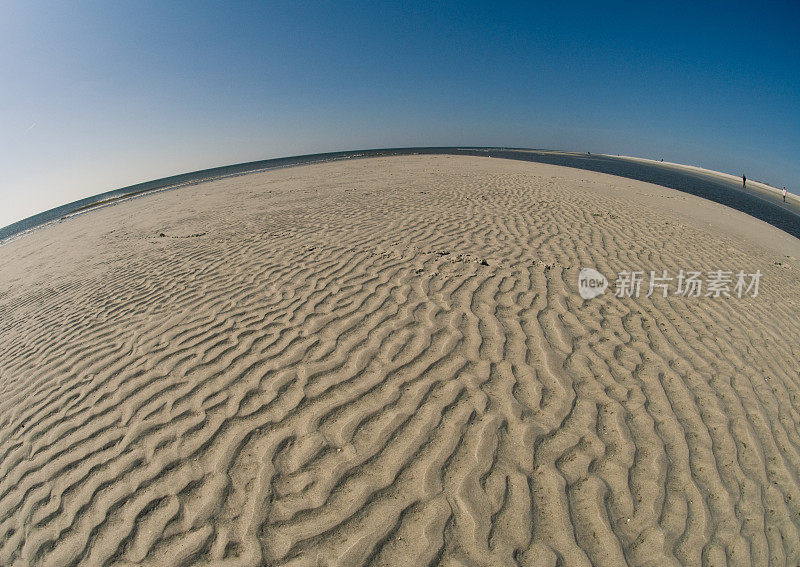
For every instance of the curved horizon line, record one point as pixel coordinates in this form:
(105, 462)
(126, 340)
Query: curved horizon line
(704, 183)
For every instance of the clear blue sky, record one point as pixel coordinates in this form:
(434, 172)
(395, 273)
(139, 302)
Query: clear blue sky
(99, 95)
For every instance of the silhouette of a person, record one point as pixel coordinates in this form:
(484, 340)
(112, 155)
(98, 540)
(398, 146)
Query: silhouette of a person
(744, 182)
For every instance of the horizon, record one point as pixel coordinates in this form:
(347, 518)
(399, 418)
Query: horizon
(101, 97)
(356, 150)
(707, 184)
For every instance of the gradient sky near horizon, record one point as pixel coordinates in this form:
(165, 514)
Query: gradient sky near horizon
(100, 95)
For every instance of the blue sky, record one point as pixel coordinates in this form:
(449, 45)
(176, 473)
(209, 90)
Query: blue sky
(99, 95)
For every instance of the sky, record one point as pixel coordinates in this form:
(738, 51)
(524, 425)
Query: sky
(100, 95)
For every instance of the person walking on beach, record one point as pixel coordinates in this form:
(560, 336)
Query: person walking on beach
(744, 181)
(784, 194)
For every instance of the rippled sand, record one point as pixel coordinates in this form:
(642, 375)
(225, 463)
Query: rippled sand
(387, 361)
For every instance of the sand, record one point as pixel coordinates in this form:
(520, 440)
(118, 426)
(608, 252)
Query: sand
(758, 188)
(387, 361)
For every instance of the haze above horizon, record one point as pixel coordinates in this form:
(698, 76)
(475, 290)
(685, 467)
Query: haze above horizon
(103, 95)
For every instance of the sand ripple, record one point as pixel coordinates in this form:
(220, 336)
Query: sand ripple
(386, 361)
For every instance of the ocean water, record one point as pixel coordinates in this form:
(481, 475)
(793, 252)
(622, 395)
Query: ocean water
(722, 191)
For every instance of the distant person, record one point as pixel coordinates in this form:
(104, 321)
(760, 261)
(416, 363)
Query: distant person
(744, 181)
(784, 194)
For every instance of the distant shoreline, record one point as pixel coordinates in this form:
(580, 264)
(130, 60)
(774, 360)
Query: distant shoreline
(760, 202)
(751, 183)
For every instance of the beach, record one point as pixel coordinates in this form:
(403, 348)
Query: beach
(387, 360)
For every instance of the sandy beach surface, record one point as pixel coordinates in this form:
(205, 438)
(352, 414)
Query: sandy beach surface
(763, 190)
(387, 361)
